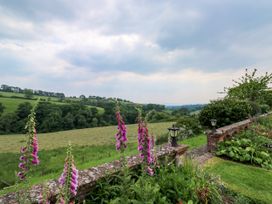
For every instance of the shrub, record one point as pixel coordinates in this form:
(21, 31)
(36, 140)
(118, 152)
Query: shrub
(226, 111)
(190, 124)
(171, 184)
(264, 108)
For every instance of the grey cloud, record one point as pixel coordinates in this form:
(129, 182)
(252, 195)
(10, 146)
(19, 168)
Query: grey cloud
(218, 35)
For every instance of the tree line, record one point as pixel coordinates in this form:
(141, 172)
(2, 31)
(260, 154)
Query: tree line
(75, 115)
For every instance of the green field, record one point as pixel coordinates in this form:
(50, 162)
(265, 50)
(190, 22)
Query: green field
(88, 136)
(92, 146)
(11, 104)
(250, 181)
(12, 94)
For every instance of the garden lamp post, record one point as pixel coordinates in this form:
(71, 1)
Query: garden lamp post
(173, 132)
(214, 122)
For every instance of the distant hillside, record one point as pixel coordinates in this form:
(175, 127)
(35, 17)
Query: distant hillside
(189, 107)
(57, 112)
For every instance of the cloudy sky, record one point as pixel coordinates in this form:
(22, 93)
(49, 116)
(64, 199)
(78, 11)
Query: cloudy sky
(159, 51)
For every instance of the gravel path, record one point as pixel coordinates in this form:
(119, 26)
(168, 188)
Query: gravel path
(200, 155)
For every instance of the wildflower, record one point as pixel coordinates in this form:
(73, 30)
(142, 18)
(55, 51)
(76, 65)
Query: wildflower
(121, 135)
(68, 180)
(23, 150)
(21, 175)
(150, 171)
(74, 180)
(145, 146)
(29, 153)
(35, 149)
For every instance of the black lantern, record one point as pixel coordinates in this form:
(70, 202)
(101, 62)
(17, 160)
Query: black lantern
(213, 123)
(173, 132)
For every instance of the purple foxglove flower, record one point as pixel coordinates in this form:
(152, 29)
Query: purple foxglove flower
(23, 158)
(121, 136)
(35, 160)
(35, 149)
(150, 171)
(22, 165)
(68, 180)
(29, 153)
(21, 175)
(23, 150)
(145, 146)
(74, 180)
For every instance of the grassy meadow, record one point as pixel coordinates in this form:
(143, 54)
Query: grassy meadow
(92, 146)
(250, 181)
(13, 94)
(11, 103)
(78, 137)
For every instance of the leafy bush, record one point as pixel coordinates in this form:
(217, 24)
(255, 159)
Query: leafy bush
(264, 108)
(263, 127)
(249, 148)
(171, 184)
(190, 124)
(155, 116)
(226, 111)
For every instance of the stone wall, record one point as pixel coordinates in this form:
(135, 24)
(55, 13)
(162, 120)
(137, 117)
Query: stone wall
(89, 177)
(226, 132)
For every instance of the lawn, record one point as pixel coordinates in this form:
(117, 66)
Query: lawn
(195, 142)
(250, 181)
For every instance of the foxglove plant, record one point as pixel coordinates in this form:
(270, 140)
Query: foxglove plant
(68, 180)
(121, 135)
(145, 147)
(29, 153)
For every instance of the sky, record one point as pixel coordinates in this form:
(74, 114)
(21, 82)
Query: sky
(146, 51)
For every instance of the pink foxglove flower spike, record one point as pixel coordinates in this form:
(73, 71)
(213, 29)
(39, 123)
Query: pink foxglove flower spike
(145, 146)
(68, 180)
(29, 153)
(121, 135)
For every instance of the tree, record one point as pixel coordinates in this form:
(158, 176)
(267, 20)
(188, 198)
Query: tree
(268, 98)
(23, 110)
(2, 108)
(8, 123)
(225, 111)
(80, 121)
(28, 93)
(251, 88)
(53, 122)
(181, 112)
(68, 121)
(94, 122)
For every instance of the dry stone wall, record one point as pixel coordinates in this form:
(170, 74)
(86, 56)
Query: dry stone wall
(226, 132)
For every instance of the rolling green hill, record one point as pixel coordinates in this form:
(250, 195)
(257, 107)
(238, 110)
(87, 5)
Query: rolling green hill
(11, 102)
